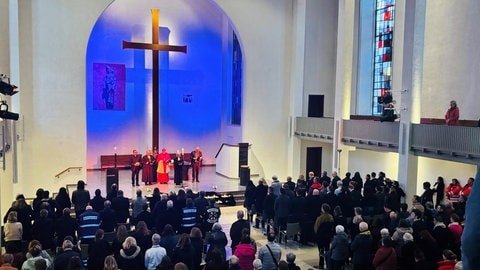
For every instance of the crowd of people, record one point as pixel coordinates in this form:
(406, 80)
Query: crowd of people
(356, 222)
(365, 223)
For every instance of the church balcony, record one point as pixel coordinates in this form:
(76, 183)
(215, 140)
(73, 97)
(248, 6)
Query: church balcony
(314, 129)
(454, 143)
(371, 135)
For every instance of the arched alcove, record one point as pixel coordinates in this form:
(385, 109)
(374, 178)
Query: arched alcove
(197, 98)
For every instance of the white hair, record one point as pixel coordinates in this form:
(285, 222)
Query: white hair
(257, 264)
(384, 232)
(339, 229)
(407, 237)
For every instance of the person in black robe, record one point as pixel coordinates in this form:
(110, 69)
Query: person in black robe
(440, 190)
(178, 166)
(148, 165)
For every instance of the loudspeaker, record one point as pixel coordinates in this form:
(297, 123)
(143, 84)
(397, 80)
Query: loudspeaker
(242, 156)
(112, 178)
(244, 175)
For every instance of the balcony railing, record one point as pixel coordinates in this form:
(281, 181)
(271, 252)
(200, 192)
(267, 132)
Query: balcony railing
(317, 129)
(372, 135)
(446, 142)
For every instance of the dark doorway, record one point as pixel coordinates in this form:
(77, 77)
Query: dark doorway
(314, 160)
(315, 105)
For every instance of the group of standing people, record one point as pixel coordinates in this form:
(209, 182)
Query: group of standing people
(156, 166)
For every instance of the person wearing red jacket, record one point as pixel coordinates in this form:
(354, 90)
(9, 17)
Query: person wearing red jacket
(453, 190)
(245, 252)
(448, 262)
(467, 189)
(385, 257)
(452, 115)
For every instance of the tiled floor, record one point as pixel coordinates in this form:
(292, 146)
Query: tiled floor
(307, 256)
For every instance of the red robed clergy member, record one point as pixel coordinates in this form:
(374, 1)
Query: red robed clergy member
(163, 160)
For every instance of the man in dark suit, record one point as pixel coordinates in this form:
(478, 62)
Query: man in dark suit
(121, 207)
(135, 166)
(62, 259)
(169, 216)
(107, 215)
(236, 229)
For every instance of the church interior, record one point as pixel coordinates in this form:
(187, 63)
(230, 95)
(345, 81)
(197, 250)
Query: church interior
(309, 85)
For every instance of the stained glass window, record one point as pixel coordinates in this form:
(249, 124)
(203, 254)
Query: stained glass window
(236, 112)
(382, 69)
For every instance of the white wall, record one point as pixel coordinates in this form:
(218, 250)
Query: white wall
(264, 28)
(320, 53)
(54, 36)
(365, 162)
(429, 169)
(53, 39)
(451, 58)
(4, 47)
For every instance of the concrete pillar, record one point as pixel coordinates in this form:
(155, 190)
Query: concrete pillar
(296, 84)
(344, 77)
(407, 76)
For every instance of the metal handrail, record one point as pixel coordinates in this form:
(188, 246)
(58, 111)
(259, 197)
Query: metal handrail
(227, 144)
(67, 170)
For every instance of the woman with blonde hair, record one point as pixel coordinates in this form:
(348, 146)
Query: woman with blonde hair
(13, 232)
(110, 263)
(130, 256)
(122, 234)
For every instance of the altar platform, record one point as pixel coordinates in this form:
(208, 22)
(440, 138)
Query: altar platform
(209, 181)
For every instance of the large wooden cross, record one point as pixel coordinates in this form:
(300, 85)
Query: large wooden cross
(155, 47)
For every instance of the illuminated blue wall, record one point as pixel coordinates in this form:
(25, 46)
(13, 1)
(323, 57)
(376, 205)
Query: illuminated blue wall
(196, 24)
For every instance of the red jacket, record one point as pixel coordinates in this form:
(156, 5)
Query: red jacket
(385, 259)
(246, 256)
(453, 190)
(446, 265)
(452, 115)
(457, 231)
(466, 190)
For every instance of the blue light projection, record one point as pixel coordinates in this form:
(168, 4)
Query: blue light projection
(197, 74)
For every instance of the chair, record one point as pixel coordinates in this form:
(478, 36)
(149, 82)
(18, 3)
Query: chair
(84, 254)
(293, 229)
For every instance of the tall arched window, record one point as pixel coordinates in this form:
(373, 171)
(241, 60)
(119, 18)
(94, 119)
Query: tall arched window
(382, 64)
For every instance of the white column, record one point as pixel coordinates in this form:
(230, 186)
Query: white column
(344, 77)
(296, 84)
(407, 75)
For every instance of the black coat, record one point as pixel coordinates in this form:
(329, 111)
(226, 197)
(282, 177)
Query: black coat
(269, 206)
(184, 255)
(43, 230)
(236, 231)
(218, 239)
(64, 226)
(260, 193)
(97, 203)
(249, 197)
(62, 259)
(131, 259)
(168, 242)
(170, 216)
(147, 217)
(197, 244)
(361, 248)
(108, 220)
(97, 251)
(121, 206)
